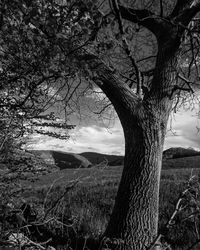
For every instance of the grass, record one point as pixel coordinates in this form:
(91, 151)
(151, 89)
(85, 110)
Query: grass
(185, 162)
(88, 206)
(86, 177)
(90, 203)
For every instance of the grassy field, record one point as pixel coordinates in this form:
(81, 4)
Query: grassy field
(173, 169)
(84, 210)
(90, 203)
(92, 176)
(185, 162)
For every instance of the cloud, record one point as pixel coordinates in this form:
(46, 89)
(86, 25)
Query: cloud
(96, 138)
(99, 139)
(86, 138)
(184, 131)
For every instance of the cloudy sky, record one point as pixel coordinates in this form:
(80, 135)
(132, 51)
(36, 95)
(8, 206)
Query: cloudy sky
(95, 138)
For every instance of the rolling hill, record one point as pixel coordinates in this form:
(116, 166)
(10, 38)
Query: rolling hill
(172, 158)
(71, 160)
(173, 153)
(96, 158)
(63, 160)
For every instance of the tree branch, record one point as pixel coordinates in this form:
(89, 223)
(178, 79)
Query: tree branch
(187, 82)
(186, 11)
(108, 80)
(142, 17)
(126, 47)
(103, 109)
(176, 87)
(161, 8)
(195, 8)
(180, 6)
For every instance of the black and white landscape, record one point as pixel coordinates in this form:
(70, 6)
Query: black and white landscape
(90, 95)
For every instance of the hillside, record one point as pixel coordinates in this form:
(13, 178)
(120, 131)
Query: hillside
(178, 152)
(184, 162)
(26, 162)
(62, 159)
(70, 160)
(172, 158)
(96, 158)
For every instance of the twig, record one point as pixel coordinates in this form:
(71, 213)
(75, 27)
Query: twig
(103, 109)
(19, 238)
(85, 242)
(161, 8)
(187, 81)
(126, 47)
(67, 189)
(40, 244)
(155, 242)
(177, 209)
(51, 187)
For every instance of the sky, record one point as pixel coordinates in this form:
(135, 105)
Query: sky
(91, 137)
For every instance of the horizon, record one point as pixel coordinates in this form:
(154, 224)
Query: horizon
(197, 150)
(93, 137)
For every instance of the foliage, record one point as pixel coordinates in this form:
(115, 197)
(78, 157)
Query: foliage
(16, 170)
(44, 45)
(15, 131)
(34, 69)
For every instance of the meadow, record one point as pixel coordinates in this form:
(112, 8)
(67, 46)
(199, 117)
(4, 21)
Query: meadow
(86, 207)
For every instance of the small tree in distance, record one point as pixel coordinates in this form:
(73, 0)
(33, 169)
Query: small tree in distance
(144, 56)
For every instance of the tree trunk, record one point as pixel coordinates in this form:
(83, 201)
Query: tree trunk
(135, 215)
(134, 221)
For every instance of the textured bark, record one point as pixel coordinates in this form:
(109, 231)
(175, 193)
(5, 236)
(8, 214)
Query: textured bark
(135, 214)
(134, 220)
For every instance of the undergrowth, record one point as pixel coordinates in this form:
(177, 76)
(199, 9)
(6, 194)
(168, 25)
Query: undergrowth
(77, 216)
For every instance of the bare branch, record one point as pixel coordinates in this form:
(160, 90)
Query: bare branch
(155, 243)
(127, 78)
(176, 87)
(142, 17)
(161, 8)
(187, 81)
(103, 109)
(126, 46)
(146, 58)
(67, 189)
(109, 81)
(187, 13)
(180, 6)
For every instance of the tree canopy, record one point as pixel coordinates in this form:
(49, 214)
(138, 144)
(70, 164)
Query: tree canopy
(46, 46)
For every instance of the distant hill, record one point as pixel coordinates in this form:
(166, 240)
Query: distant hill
(173, 153)
(191, 162)
(116, 160)
(26, 162)
(62, 159)
(65, 160)
(71, 160)
(96, 158)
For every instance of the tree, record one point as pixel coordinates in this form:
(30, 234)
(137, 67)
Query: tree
(145, 59)
(28, 74)
(144, 113)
